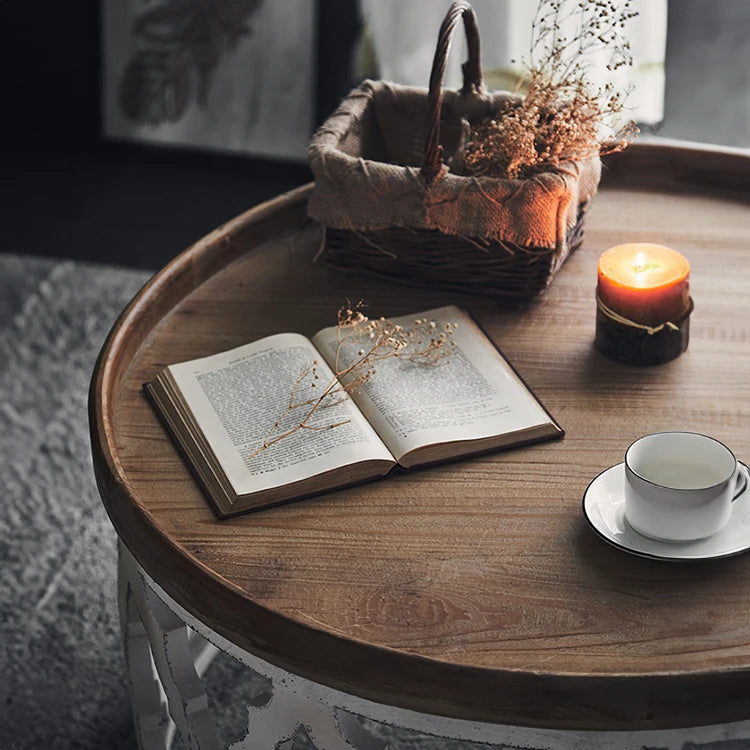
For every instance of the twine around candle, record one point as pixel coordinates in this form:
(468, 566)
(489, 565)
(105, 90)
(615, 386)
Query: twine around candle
(650, 330)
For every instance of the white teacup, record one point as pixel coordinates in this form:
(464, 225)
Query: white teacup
(680, 485)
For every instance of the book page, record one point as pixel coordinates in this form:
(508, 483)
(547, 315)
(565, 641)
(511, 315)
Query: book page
(472, 394)
(237, 396)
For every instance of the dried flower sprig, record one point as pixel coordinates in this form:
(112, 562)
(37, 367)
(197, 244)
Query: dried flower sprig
(562, 117)
(361, 344)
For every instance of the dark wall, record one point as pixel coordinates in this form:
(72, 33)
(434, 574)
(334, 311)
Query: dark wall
(49, 72)
(67, 192)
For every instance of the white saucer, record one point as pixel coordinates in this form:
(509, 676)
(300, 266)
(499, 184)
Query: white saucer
(604, 509)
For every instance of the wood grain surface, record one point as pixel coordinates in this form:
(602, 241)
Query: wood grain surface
(473, 589)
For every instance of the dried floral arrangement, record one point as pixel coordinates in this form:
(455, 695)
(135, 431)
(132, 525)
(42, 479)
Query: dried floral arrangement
(361, 344)
(561, 118)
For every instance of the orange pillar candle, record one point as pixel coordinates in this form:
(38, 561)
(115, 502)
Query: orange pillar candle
(644, 283)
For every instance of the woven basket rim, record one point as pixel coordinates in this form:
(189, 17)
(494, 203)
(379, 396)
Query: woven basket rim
(365, 155)
(353, 191)
(329, 147)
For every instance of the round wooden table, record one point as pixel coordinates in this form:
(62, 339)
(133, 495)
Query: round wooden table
(472, 591)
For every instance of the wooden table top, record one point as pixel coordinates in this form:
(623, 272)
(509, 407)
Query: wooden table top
(473, 589)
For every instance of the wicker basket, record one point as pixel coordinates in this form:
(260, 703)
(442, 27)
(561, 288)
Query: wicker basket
(390, 204)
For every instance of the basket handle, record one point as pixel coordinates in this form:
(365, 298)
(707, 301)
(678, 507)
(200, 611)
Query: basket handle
(472, 72)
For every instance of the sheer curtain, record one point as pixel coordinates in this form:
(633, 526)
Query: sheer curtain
(400, 37)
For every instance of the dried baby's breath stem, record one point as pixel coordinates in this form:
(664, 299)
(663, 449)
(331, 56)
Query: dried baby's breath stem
(361, 344)
(561, 118)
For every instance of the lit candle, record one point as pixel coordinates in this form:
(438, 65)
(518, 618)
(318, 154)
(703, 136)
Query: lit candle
(644, 283)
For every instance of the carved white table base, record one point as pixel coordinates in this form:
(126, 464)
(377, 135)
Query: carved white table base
(167, 651)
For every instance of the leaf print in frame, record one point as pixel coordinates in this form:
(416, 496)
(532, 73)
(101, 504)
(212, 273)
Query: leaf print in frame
(182, 43)
(235, 76)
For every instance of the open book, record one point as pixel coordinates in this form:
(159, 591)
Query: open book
(220, 408)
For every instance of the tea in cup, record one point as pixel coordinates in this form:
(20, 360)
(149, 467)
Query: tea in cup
(680, 486)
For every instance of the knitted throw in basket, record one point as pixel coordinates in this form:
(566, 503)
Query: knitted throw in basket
(391, 201)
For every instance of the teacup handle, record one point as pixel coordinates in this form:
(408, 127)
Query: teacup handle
(743, 480)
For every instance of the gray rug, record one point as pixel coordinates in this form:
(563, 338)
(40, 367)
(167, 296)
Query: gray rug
(62, 680)
(62, 675)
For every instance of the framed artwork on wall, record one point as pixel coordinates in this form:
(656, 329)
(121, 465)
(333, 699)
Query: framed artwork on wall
(227, 75)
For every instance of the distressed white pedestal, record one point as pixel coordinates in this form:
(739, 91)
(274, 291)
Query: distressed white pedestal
(168, 650)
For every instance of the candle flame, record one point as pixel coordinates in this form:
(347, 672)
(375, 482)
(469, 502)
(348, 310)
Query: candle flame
(642, 263)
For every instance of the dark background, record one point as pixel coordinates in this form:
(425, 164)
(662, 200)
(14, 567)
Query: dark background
(65, 192)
